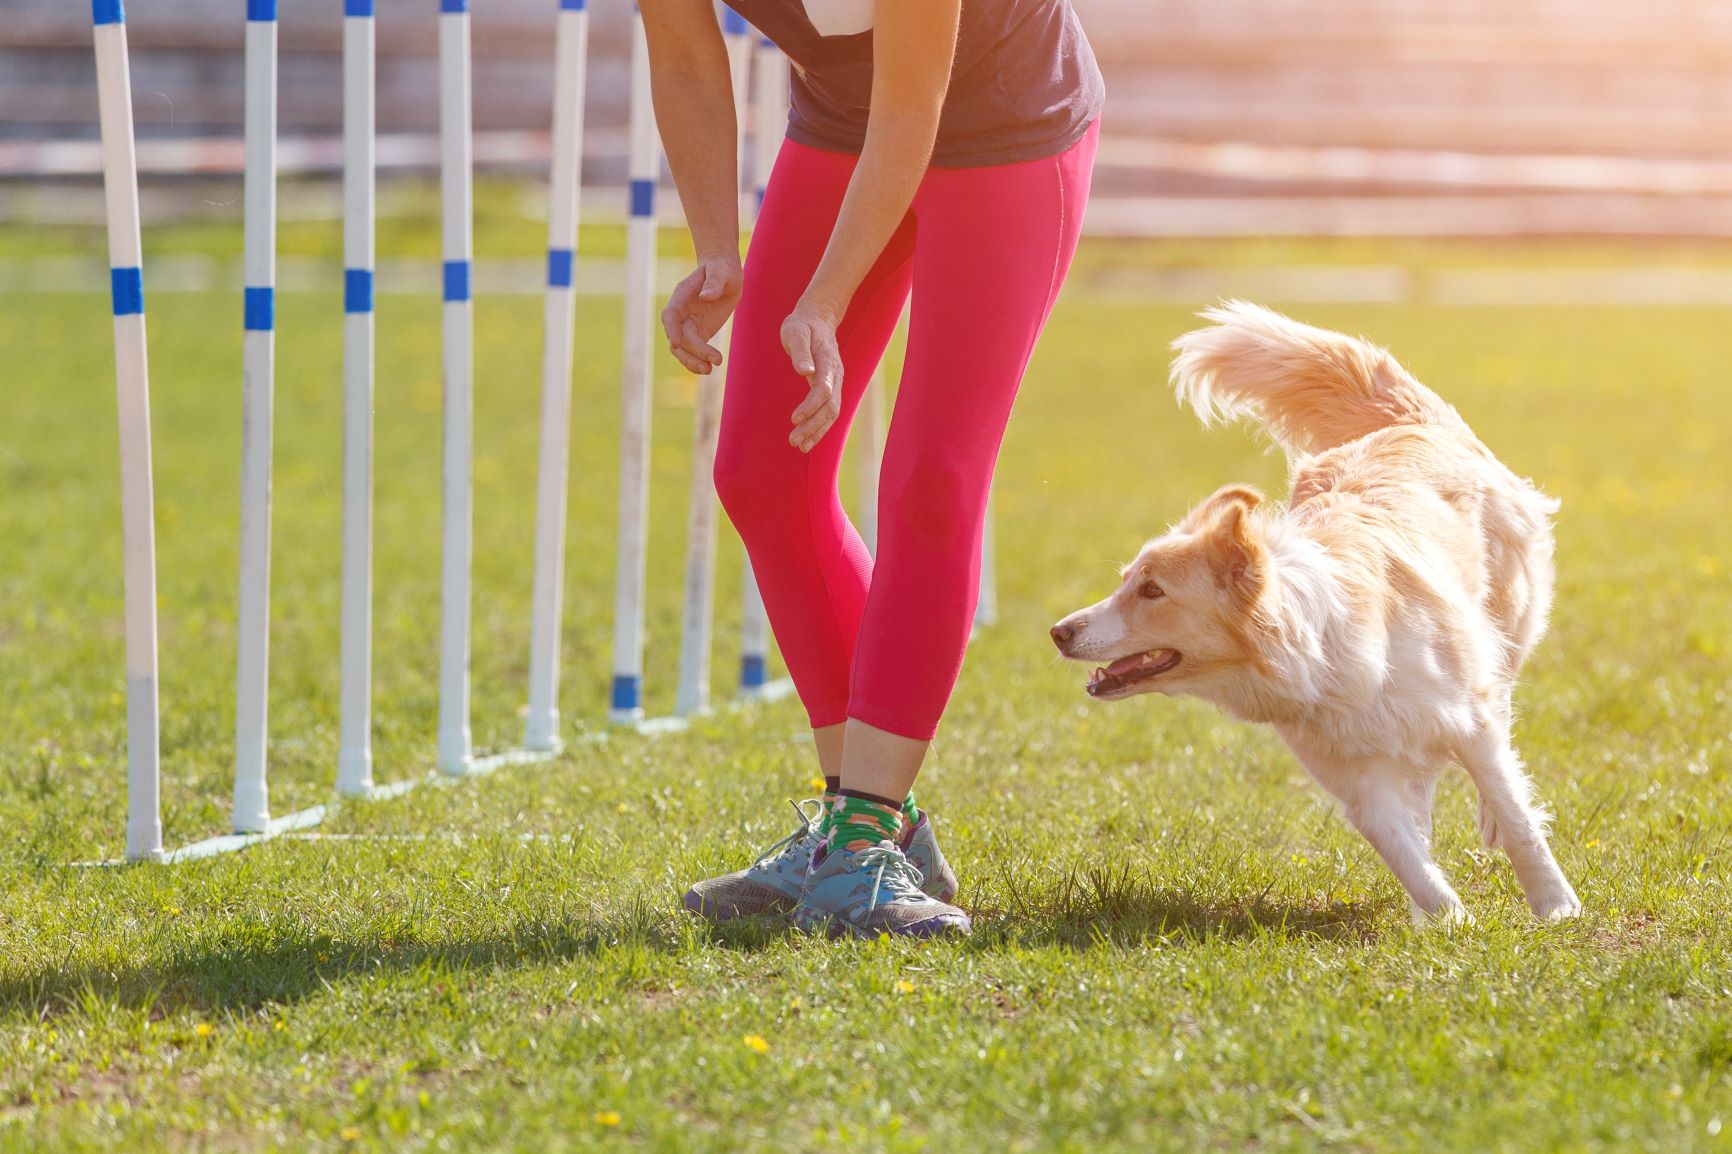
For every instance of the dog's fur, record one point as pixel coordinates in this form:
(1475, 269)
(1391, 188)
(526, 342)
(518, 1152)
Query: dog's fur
(1378, 622)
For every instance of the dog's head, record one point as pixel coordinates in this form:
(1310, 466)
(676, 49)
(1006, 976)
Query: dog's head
(1183, 617)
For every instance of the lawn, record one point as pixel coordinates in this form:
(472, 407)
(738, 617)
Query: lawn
(1178, 944)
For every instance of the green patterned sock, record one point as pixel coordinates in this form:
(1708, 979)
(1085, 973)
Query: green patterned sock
(910, 811)
(858, 822)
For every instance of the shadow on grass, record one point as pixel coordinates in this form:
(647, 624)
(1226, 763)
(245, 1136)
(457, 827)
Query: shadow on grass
(275, 963)
(1104, 907)
(245, 967)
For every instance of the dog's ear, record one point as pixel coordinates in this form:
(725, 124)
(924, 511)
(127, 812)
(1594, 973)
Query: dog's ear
(1246, 495)
(1237, 556)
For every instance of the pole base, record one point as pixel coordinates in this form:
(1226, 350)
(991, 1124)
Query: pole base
(541, 733)
(354, 773)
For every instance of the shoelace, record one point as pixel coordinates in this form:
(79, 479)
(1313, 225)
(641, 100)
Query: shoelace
(894, 868)
(808, 825)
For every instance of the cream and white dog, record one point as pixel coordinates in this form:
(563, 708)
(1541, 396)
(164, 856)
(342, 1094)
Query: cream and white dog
(1378, 622)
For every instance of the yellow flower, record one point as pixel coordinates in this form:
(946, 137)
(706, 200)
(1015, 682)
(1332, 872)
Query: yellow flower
(905, 986)
(279, 1026)
(1593, 843)
(622, 808)
(756, 1043)
(349, 1133)
(816, 783)
(607, 1117)
(204, 1029)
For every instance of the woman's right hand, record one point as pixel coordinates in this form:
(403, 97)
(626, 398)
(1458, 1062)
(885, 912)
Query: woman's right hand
(700, 305)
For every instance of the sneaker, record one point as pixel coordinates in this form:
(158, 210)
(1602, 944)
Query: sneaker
(873, 891)
(772, 885)
(920, 843)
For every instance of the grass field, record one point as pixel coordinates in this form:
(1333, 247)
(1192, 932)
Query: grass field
(1178, 946)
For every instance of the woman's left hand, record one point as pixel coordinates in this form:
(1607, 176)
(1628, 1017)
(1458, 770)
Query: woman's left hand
(809, 338)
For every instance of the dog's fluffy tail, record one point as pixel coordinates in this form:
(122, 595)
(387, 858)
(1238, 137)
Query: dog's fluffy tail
(1311, 388)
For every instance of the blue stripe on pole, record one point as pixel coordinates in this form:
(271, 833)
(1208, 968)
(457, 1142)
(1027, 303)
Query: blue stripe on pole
(357, 290)
(265, 10)
(627, 691)
(456, 280)
(733, 23)
(108, 11)
(453, 5)
(761, 194)
(752, 672)
(261, 309)
(559, 262)
(766, 42)
(357, 7)
(126, 285)
(643, 198)
(572, 5)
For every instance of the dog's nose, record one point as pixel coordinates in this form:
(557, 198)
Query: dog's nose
(1062, 635)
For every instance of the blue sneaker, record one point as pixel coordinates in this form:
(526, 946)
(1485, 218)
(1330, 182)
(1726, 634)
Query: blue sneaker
(771, 886)
(872, 891)
(920, 843)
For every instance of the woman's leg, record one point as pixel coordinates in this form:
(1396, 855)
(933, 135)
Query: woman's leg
(812, 567)
(993, 248)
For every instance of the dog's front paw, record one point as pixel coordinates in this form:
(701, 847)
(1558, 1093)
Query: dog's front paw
(1560, 909)
(1450, 916)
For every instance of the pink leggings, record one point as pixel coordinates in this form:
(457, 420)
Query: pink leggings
(984, 251)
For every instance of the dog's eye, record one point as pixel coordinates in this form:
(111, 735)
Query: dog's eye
(1150, 591)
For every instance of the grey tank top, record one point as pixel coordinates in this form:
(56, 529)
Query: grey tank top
(1024, 85)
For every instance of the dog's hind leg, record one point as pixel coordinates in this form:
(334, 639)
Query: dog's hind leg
(1391, 805)
(1510, 818)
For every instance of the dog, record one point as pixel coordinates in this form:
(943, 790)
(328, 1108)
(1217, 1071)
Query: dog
(1378, 622)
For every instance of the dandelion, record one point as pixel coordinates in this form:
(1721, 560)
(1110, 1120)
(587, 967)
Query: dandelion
(279, 1026)
(1593, 843)
(349, 1133)
(607, 1117)
(756, 1043)
(817, 783)
(904, 986)
(204, 1029)
(622, 808)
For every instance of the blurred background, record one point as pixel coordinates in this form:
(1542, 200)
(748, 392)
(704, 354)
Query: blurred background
(1485, 118)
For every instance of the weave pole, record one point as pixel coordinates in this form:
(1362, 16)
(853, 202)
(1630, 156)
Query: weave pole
(252, 809)
(456, 177)
(132, 393)
(626, 703)
(869, 419)
(769, 123)
(698, 617)
(354, 742)
(986, 608)
(571, 42)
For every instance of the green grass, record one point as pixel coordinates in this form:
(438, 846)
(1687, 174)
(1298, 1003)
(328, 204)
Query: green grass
(1179, 945)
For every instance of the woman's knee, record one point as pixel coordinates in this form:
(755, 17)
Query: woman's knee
(749, 480)
(939, 500)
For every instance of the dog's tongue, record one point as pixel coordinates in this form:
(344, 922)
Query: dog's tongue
(1136, 661)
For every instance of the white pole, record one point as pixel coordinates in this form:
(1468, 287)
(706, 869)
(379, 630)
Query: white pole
(986, 609)
(870, 421)
(541, 731)
(132, 390)
(698, 618)
(259, 262)
(626, 703)
(769, 123)
(456, 176)
(354, 745)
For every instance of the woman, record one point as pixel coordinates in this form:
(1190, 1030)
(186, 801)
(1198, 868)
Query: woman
(933, 147)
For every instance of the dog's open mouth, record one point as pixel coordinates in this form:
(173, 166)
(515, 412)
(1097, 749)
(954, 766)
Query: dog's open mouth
(1127, 671)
